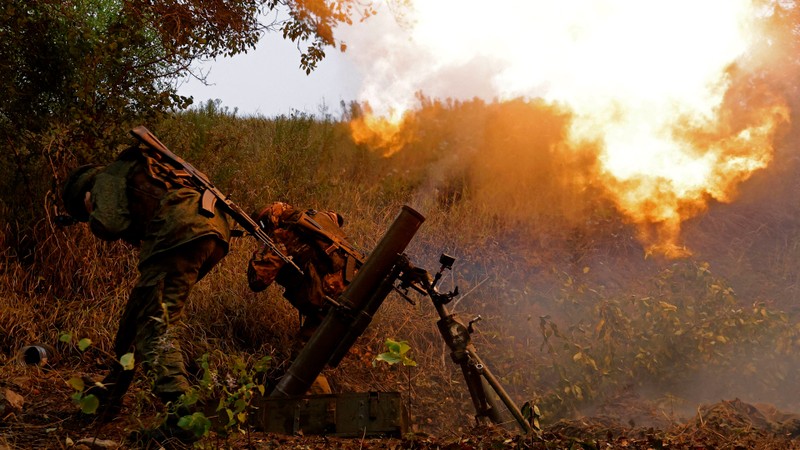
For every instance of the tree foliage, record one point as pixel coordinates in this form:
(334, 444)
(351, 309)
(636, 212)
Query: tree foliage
(77, 75)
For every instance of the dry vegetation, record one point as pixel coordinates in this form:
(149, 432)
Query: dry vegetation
(613, 348)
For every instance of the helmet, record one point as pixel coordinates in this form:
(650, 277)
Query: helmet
(79, 182)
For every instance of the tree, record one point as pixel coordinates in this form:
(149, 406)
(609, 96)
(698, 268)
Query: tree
(76, 75)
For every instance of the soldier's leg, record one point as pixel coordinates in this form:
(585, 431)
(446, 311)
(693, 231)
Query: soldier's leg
(307, 329)
(117, 381)
(155, 338)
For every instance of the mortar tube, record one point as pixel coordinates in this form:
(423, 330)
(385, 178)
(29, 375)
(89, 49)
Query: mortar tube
(328, 337)
(364, 317)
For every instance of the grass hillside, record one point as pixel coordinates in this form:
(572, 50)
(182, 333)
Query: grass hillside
(575, 317)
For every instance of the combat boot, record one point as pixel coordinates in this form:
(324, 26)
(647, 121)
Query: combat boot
(109, 392)
(107, 408)
(320, 386)
(167, 435)
(164, 436)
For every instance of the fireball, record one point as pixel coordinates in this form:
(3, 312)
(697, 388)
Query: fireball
(648, 85)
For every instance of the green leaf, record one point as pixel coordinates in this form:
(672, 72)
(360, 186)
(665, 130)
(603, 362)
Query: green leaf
(190, 397)
(127, 361)
(84, 343)
(197, 423)
(65, 337)
(388, 357)
(396, 354)
(399, 347)
(89, 404)
(263, 364)
(76, 383)
(392, 346)
(239, 405)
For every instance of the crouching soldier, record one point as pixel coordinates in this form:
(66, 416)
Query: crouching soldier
(316, 243)
(143, 202)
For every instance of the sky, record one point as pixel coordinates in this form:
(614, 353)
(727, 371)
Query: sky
(268, 81)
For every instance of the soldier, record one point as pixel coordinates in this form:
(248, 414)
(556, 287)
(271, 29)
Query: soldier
(317, 244)
(140, 200)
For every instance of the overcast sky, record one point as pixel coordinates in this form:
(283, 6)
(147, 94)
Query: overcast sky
(268, 81)
(580, 52)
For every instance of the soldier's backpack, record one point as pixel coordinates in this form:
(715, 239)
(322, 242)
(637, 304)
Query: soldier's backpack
(325, 228)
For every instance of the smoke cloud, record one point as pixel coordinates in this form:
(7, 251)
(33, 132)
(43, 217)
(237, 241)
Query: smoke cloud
(647, 89)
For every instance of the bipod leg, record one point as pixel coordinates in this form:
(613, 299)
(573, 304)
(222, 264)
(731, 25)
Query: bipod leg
(457, 338)
(483, 407)
(484, 371)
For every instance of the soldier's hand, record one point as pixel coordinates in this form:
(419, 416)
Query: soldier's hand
(87, 202)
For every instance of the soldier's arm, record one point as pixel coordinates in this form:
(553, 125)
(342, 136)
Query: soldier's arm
(262, 268)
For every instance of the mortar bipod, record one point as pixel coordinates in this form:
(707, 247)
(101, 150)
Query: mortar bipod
(457, 337)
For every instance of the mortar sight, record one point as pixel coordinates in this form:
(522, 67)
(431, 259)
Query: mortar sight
(446, 261)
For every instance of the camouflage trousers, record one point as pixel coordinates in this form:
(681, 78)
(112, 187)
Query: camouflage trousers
(154, 309)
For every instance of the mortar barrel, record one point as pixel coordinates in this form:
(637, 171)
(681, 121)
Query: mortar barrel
(328, 339)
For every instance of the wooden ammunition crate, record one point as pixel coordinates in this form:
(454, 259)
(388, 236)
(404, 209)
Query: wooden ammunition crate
(344, 415)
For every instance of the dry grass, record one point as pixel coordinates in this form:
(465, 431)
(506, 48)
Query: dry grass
(560, 256)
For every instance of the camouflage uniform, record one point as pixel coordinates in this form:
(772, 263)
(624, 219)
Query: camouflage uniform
(135, 199)
(323, 264)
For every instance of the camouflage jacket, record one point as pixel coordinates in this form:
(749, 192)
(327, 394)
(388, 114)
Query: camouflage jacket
(323, 265)
(134, 199)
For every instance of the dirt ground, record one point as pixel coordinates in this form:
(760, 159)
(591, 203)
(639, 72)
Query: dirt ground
(36, 412)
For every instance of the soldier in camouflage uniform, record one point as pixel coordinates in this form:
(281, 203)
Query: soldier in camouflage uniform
(327, 268)
(139, 200)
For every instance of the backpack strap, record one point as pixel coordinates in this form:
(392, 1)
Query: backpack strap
(306, 221)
